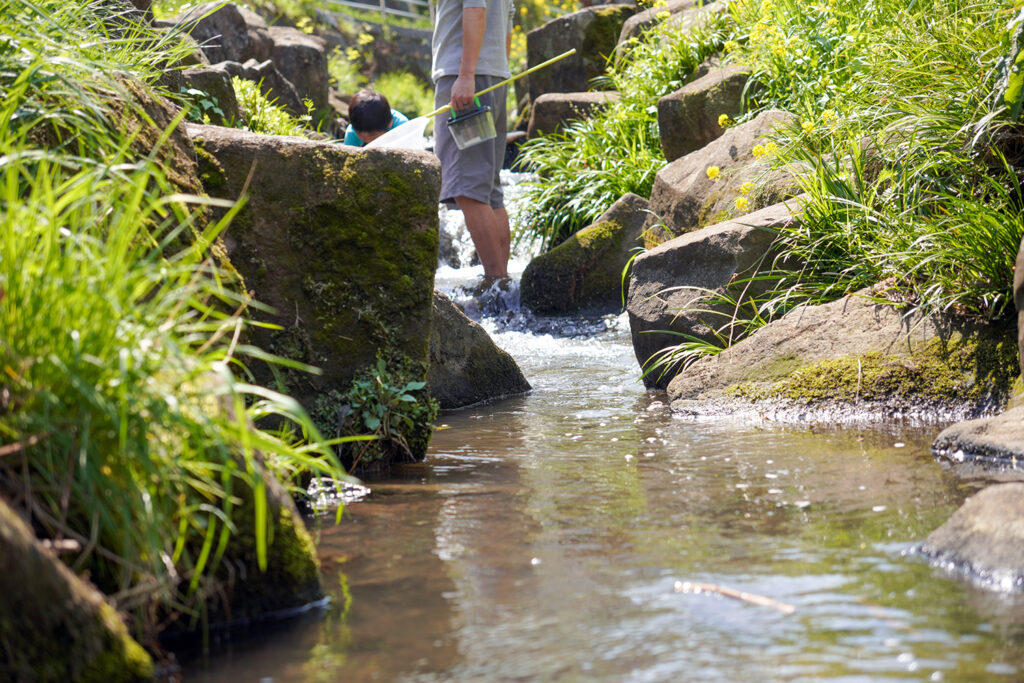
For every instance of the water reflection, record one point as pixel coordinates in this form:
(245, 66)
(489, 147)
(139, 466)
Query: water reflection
(543, 538)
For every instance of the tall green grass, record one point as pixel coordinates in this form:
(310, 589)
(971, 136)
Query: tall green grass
(584, 169)
(910, 164)
(126, 422)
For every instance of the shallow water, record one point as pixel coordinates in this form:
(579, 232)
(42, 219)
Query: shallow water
(558, 536)
(544, 537)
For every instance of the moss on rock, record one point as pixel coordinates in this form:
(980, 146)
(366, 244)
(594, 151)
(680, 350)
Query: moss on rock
(583, 272)
(53, 625)
(978, 371)
(341, 243)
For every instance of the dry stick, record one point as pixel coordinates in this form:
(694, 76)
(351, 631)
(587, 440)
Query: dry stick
(753, 598)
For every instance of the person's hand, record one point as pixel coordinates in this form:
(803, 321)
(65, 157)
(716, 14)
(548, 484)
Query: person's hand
(462, 93)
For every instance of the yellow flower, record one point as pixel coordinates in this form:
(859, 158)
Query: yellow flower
(663, 15)
(742, 203)
(713, 173)
(746, 188)
(832, 21)
(829, 116)
(731, 45)
(724, 121)
(779, 50)
(365, 39)
(766, 150)
(808, 127)
(351, 54)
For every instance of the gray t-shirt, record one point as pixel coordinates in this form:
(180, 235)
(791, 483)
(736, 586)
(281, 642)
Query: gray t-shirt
(447, 43)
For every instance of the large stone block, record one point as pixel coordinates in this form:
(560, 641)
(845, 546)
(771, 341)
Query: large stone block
(340, 242)
(671, 287)
(685, 197)
(466, 366)
(640, 22)
(551, 112)
(228, 32)
(688, 118)
(593, 32)
(984, 539)
(584, 273)
(217, 84)
(53, 625)
(302, 60)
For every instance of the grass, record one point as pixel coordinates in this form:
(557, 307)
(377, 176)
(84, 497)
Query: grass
(584, 169)
(126, 421)
(905, 145)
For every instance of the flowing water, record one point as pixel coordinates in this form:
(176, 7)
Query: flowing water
(567, 534)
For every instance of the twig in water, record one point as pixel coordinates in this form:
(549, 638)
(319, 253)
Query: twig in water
(698, 587)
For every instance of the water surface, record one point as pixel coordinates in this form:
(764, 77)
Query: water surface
(544, 538)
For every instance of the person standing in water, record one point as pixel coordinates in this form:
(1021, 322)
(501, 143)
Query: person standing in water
(471, 44)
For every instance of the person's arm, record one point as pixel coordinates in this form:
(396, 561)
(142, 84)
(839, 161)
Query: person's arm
(474, 21)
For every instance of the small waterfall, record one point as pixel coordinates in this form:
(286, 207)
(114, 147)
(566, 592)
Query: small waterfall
(459, 275)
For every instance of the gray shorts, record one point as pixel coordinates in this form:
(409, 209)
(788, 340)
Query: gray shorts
(474, 172)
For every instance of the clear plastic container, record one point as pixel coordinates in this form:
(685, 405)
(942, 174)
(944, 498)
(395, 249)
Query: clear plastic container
(471, 127)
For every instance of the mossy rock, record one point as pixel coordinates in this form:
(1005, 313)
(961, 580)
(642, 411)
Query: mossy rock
(868, 357)
(291, 577)
(583, 274)
(978, 372)
(466, 366)
(593, 31)
(53, 625)
(341, 244)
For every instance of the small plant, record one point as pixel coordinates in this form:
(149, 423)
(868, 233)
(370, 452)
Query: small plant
(383, 404)
(204, 107)
(344, 72)
(260, 114)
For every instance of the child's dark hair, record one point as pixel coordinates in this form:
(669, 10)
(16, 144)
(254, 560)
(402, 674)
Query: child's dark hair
(369, 112)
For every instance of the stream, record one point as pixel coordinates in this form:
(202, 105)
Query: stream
(565, 535)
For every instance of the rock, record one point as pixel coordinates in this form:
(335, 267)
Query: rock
(146, 130)
(466, 366)
(593, 32)
(217, 84)
(273, 84)
(550, 112)
(341, 242)
(228, 32)
(688, 118)
(53, 625)
(394, 48)
(339, 105)
(984, 538)
(640, 22)
(685, 198)
(302, 60)
(995, 440)
(1018, 299)
(854, 353)
(292, 575)
(584, 273)
(701, 262)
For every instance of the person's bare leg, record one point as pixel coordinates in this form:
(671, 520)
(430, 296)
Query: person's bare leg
(485, 227)
(504, 234)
